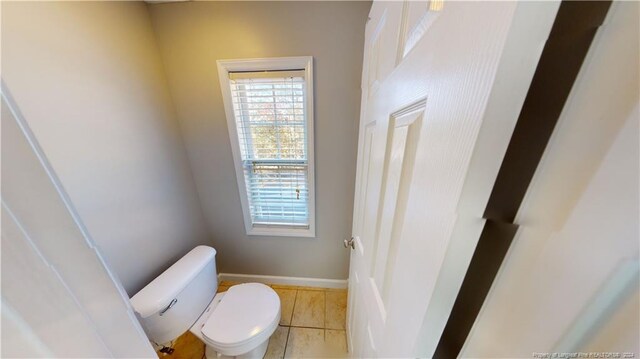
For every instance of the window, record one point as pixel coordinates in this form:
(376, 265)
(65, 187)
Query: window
(269, 108)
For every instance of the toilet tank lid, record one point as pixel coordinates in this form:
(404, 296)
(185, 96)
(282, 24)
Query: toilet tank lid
(161, 291)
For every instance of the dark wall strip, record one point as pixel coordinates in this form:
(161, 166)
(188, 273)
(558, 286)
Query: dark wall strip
(571, 36)
(492, 247)
(573, 30)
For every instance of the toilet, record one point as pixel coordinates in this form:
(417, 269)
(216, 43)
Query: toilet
(233, 324)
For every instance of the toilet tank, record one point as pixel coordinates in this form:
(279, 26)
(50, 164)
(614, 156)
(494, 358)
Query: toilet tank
(187, 287)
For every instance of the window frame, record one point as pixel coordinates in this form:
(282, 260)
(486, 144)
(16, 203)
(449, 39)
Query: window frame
(270, 64)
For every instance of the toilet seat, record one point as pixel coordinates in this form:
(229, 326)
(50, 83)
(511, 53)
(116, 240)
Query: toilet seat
(244, 318)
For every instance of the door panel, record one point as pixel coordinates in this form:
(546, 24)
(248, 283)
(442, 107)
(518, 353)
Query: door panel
(582, 205)
(402, 138)
(411, 119)
(417, 17)
(365, 165)
(426, 87)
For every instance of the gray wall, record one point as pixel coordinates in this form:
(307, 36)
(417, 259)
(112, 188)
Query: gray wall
(191, 37)
(89, 80)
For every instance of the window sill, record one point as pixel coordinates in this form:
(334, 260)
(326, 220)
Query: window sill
(281, 231)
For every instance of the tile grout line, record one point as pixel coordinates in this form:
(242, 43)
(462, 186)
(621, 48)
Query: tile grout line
(325, 311)
(286, 342)
(293, 310)
(324, 330)
(303, 327)
(297, 326)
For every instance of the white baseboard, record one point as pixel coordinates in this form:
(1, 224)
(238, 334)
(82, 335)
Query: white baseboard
(272, 279)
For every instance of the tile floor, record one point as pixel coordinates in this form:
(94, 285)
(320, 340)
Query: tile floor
(312, 325)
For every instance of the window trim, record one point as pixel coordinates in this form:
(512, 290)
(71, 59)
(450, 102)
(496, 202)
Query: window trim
(269, 64)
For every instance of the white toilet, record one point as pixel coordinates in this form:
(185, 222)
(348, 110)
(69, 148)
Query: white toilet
(236, 323)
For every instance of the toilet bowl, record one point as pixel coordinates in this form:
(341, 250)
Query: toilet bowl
(239, 322)
(236, 323)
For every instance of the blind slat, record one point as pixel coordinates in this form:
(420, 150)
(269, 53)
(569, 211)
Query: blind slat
(269, 109)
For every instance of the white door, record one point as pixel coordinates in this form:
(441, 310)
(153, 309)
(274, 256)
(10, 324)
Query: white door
(582, 205)
(442, 86)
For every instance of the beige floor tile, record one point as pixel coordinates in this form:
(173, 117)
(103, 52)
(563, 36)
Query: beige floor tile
(335, 343)
(277, 343)
(305, 343)
(336, 311)
(187, 346)
(287, 299)
(309, 309)
(316, 343)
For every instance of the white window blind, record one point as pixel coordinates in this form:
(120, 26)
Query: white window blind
(269, 111)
